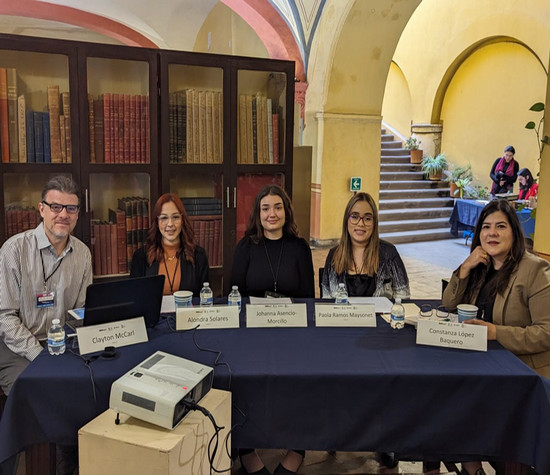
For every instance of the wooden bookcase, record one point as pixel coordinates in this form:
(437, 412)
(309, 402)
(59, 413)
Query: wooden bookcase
(135, 123)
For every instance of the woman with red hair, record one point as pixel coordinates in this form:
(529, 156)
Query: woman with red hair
(170, 249)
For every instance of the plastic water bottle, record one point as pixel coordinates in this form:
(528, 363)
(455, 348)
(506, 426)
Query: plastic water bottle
(207, 297)
(56, 338)
(234, 297)
(397, 315)
(341, 294)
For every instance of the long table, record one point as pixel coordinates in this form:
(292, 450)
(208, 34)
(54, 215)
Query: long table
(348, 389)
(466, 213)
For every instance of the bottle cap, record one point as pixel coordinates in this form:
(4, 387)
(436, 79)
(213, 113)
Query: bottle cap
(55, 321)
(206, 284)
(398, 300)
(235, 287)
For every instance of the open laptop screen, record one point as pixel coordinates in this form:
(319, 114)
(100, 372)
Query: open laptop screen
(122, 299)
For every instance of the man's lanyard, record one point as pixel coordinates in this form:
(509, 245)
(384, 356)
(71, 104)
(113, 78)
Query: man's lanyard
(44, 269)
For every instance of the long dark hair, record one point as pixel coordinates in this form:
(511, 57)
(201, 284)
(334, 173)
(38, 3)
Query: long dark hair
(343, 255)
(524, 172)
(478, 274)
(255, 229)
(154, 237)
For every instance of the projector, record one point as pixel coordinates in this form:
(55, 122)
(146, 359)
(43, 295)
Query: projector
(157, 389)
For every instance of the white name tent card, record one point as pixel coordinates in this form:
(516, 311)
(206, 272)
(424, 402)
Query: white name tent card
(451, 335)
(381, 304)
(268, 300)
(122, 333)
(329, 315)
(276, 315)
(218, 316)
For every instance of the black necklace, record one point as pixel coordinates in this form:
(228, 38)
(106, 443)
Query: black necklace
(173, 280)
(275, 275)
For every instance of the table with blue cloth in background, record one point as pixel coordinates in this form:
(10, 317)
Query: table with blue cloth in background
(466, 213)
(349, 389)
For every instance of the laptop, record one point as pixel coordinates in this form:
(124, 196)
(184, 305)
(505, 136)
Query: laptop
(120, 300)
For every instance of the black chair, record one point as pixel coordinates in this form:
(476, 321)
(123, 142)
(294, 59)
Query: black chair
(321, 271)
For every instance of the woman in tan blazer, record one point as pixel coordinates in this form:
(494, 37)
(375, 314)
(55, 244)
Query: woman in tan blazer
(511, 288)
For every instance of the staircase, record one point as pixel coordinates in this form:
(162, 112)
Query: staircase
(411, 208)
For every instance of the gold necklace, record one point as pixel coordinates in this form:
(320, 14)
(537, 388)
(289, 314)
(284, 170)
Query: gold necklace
(171, 258)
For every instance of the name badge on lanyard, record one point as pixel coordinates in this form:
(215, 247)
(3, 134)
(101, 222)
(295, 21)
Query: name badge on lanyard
(45, 298)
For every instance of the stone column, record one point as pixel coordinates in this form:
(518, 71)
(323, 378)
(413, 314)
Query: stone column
(429, 136)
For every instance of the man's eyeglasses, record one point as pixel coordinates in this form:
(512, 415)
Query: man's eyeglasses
(57, 208)
(368, 219)
(163, 219)
(427, 311)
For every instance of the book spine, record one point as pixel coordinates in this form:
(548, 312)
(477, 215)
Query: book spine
(46, 137)
(189, 148)
(133, 156)
(275, 138)
(96, 248)
(38, 137)
(66, 108)
(127, 126)
(116, 129)
(269, 114)
(4, 128)
(146, 130)
(22, 126)
(107, 104)
(12, 114)
(249, 130)
(209, 128)
(91, 127)
(99, 135)
(114, 248)
(55, 134)
(63, 138)
(31, 158)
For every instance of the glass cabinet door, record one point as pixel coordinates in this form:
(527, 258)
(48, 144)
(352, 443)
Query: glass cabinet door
(261, 116)
(201, 194)
(195, 108)
(118, 111)
(119, 210)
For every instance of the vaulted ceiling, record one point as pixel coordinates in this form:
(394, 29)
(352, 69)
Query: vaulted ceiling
(286, 27)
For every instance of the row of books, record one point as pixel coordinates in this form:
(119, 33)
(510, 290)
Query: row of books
(19, 219)
(196, 126)
(258, 127)
(115, 241)
(119, 128)
(200, 206)
(207, 230)
(33, 136)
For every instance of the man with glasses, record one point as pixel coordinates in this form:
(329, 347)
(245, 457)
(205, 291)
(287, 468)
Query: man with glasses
(44, 272)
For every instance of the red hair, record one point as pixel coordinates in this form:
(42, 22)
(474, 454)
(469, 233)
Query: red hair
(155, 251)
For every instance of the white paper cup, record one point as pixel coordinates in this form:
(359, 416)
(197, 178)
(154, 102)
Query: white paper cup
(466, 312)
(183, 298)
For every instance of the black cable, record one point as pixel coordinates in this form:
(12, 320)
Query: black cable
(193, 406)
(87, 362)
(216, 360)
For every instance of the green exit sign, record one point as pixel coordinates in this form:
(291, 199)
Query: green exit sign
(355, 183)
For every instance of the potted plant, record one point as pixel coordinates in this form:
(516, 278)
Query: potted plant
(461, 185)
(433, 166)
(457, 173)
(412, 144)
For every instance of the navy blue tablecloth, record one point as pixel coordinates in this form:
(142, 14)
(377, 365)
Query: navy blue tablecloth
(317, 388)
(466, 213)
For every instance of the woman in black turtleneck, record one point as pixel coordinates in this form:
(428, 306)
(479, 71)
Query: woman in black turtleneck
(272, 259)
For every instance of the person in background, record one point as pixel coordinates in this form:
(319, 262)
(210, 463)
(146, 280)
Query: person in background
(367, 265)
(271, 259)
(510, 287)
(170, 249)
(504, 172)
(527, 185)
(44, 273)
